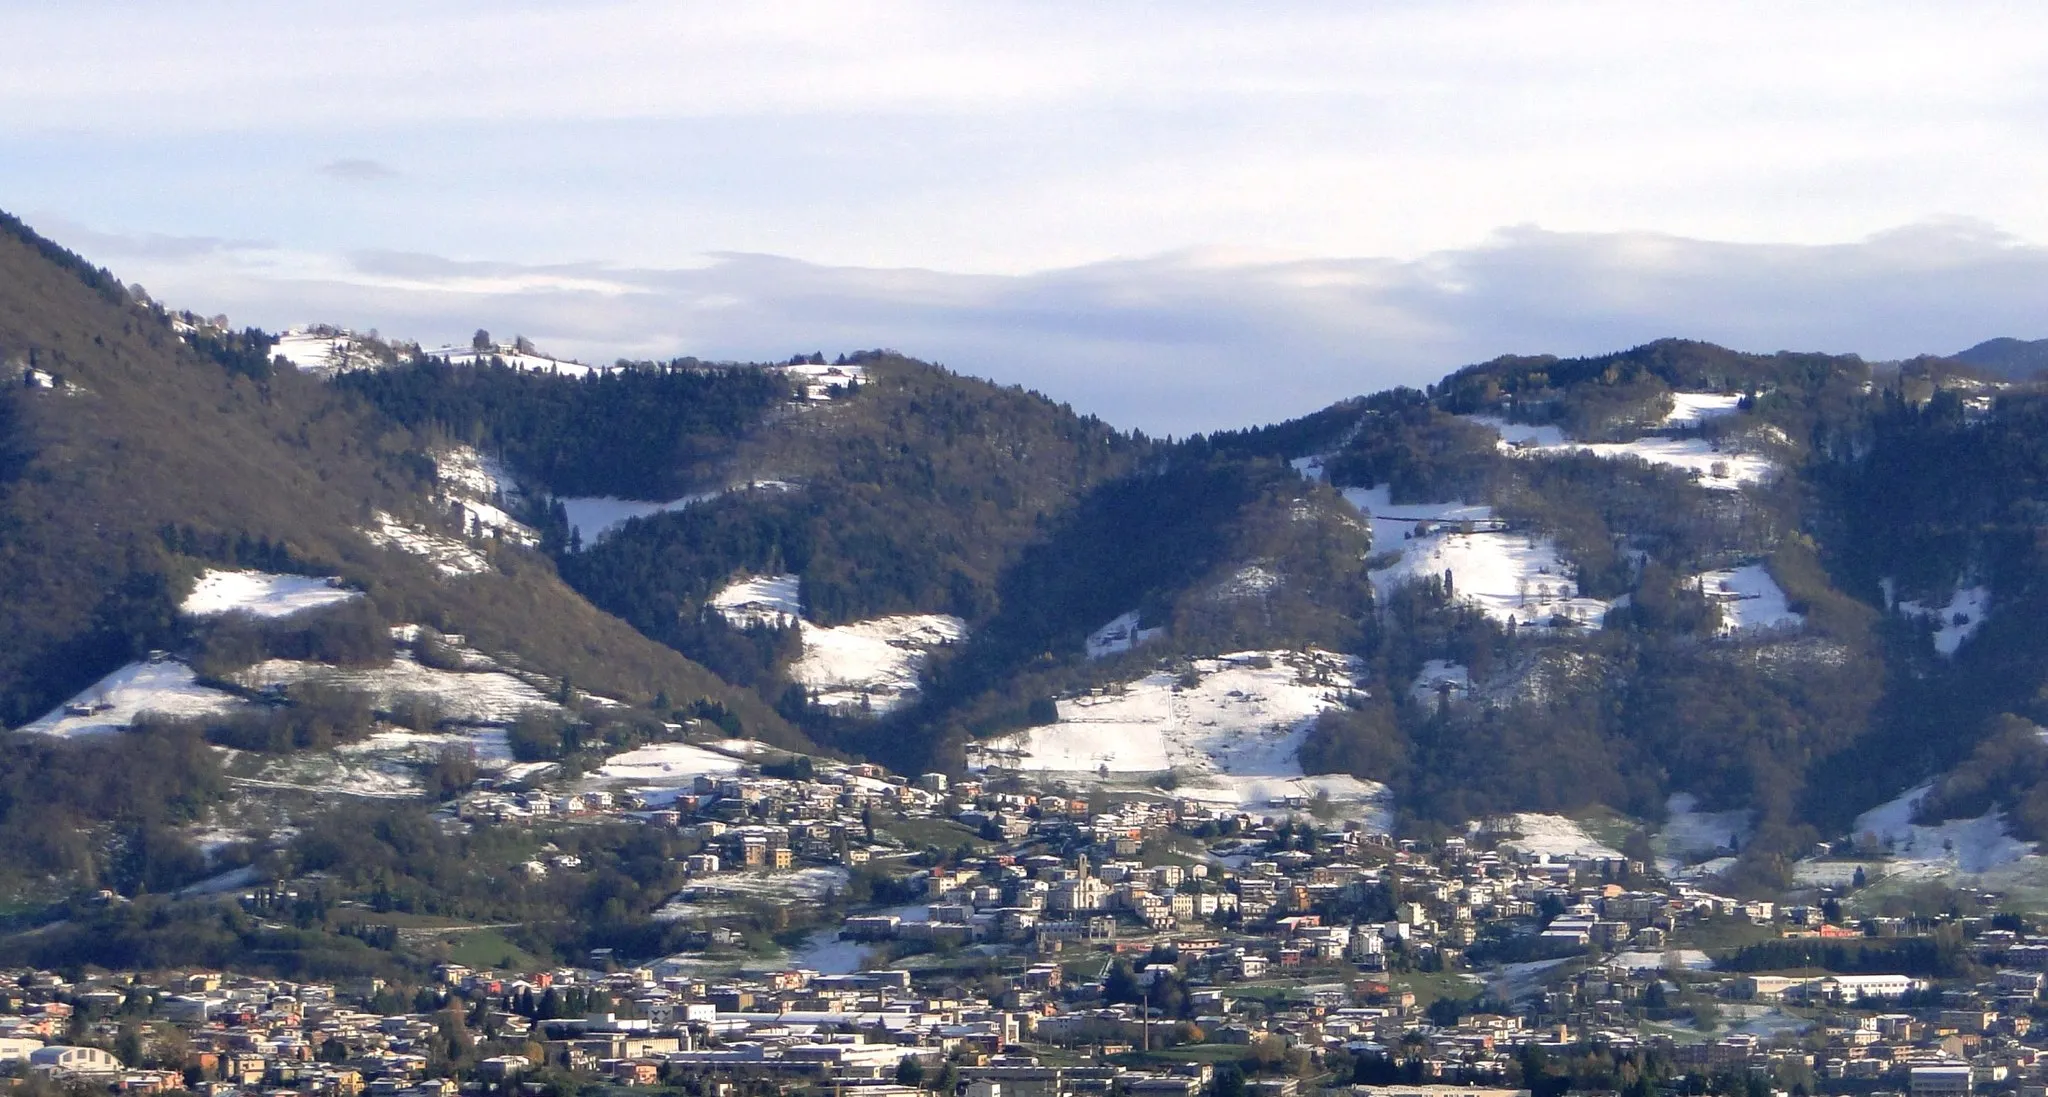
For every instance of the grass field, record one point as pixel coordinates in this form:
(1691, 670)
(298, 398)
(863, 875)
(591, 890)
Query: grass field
(489, 948)
(920, 833)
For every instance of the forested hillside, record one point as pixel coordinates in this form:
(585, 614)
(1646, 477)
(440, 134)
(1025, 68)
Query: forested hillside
(1794, 585)
(136, 458)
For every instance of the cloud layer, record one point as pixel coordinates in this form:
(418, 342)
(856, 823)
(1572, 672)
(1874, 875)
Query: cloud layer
(1021, 137)
(1179, 342)
(1144, 208)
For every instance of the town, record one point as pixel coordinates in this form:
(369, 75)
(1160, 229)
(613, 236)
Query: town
(1081, 940)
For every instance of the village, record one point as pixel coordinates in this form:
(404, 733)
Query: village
(1083, 940)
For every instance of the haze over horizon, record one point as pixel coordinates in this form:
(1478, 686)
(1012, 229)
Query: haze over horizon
(1178, 223)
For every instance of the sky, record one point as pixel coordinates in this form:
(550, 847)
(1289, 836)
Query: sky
(1179, 217)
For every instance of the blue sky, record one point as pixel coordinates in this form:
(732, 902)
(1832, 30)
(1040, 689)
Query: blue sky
(1179, 217)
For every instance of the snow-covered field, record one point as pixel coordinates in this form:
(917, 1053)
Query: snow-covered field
(1234, 736)
(482, 697)
(1436, 674)
(261, 594)
(464, 355)
(1953, 846)
(1688, 833)
(1347, 798)
(1691, 959)
(386, 765)
(448, 555)
(1550, 836)
(819, 381)
(872, 664)
(1510, 576)
(594, 516)
(1955, 622)
(763, 599)
(465, 471)
(1690, 409)
(323, 353)
(168, 688)
(802, 885)
(1750, 600)
(659, 771)
(478, 488)
(1118, 636)
(1721, 470)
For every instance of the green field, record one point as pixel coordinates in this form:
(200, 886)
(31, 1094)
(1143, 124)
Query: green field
(488, 948)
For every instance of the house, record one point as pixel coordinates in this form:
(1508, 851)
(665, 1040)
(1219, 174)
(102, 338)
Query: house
(67, 1061)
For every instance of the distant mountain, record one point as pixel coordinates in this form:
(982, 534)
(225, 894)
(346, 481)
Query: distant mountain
(2017, 358)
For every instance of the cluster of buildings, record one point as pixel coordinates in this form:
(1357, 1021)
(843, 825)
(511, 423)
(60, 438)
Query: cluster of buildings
(1075, 929)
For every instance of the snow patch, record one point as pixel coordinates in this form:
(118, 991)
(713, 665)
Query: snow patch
(594, 516)
(1234, 735)
(1549, 837)
(1712, 467)
(1955, 622)
(1250, 581)
(1689, 832)
(1437, 675)
(1956, 845)
(261, 594)
(872, 665)
(1511, 577)
(310, 352)
(448, 555)
(761, 599)
(1691, 959)
(477, 697)
(660, 771)
(1119, 635)
(1690, 409)
(531, 363)
(1345, 797)
(1750, 600)
(164, 686)
(820, 382)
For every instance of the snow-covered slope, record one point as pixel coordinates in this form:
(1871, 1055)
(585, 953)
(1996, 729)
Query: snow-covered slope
(261, 594)
(1233, 736)
(1750, 600)
(762, 599)
(1510, 576)
(1689, 833)
(1956, 845)
(1438, 675)
(1690, 409)
(465, 355)
(477, 489)
(658, 771)
(592, 517)
(1955, 622)
(870, 666)
(1118, 636)
(1550, 837)
(448, 555)
(480, 696)
(1721, 470)
(163, 686)
(820, 381)
(325, 354)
